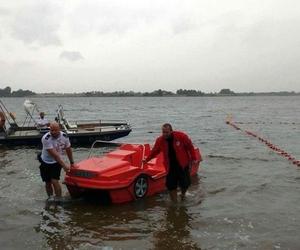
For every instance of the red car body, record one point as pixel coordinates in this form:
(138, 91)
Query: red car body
(121, 174)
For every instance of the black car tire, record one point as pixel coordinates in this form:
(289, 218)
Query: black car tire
(141, 186)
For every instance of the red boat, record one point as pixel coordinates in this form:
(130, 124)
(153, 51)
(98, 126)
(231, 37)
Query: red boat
(120, 176)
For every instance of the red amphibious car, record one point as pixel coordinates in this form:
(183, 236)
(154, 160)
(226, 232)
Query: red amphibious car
(120, 175)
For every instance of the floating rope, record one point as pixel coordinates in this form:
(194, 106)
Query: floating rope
(273, 147)
(285, 123)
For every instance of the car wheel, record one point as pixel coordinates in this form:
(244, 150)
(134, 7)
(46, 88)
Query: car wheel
(141, 186)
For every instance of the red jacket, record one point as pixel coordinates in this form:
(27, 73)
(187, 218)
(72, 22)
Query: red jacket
(182, 144)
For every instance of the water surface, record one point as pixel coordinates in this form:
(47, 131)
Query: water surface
(245, 196)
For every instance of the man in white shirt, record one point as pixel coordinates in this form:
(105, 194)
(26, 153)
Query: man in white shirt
(55, 143)
(42, 122)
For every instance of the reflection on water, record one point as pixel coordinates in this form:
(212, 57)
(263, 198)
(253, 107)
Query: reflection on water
(247, 196)
(3, 162)
(78, 223)
(174, 232)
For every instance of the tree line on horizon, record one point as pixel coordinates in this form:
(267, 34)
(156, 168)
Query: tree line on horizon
(7, 92)
(158, 92)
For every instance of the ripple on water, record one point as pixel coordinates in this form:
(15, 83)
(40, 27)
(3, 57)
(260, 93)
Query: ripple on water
(246, 198)
(225, 157)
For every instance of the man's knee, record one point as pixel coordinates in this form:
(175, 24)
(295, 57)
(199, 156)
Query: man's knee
(55, 183)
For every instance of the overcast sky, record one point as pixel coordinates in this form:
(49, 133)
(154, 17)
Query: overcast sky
(108, 45)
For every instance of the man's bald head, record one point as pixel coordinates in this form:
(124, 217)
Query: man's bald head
(54, 129)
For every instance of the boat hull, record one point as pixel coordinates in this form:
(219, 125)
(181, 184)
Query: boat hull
(120, 176)
(78, 139)
(118, 195)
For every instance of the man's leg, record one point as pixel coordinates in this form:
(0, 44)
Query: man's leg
(57, 187)
(183, 191)
(46, 177)
(55, 176)
(49, 189)
(173, 195)
(171, 183)
(184, 181)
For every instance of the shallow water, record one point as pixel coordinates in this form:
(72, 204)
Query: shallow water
(245, 197)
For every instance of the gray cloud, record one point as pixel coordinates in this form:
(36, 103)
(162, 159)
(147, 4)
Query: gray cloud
(271, 33)
(182, 25)
(37, 23)
(4, 12)
(261, 55)
(105, 17)
(119, 17)
(243, 45)
(71, 55)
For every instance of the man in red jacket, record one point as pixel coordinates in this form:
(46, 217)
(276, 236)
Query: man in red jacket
(179, 154)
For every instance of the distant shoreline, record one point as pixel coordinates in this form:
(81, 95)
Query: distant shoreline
(167, 96)
(6, 92)
(208, 95)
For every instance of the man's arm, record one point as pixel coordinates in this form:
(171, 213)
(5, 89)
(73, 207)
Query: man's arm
(70, 155)
(155, 150)
(57, 157)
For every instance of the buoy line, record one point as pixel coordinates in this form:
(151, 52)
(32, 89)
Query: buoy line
(273, 147)
(281, 123)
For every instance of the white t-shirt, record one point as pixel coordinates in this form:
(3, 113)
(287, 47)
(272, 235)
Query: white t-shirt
(42, 122)
(59, 144)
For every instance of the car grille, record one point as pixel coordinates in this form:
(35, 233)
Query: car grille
(84, 174)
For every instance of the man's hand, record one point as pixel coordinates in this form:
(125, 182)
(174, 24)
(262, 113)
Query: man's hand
(73, 165)
(67, 168)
